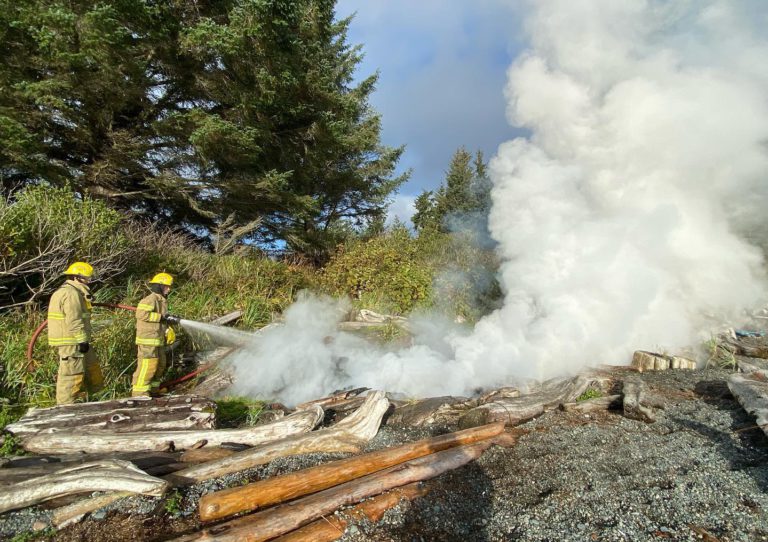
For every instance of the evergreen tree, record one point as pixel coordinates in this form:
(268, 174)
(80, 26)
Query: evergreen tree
(196, 114)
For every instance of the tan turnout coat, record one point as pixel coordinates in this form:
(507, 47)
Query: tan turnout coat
(149, 330)
(69, 315)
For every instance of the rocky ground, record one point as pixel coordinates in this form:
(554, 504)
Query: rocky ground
(699, 473)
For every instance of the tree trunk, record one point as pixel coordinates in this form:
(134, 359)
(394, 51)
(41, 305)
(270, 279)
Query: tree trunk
(120, 416)
(333, 527)
(345, 436)
(264, 493)
(281, 519)
(61, 443)
(112, 475)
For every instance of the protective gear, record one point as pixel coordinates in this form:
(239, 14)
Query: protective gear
(80, 269)
(69, 315)
(149, 371)
(171, 319)
(69, 327)
(162, 278)
(78, 373)
(151, 337)
(170, 336)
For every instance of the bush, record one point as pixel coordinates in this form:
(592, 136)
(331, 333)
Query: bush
(45, 229)
(385, 273)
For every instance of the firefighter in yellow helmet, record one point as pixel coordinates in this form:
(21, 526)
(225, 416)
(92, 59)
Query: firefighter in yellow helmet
(152, 335)
(69, 331)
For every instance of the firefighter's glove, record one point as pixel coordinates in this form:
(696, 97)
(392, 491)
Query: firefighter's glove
(83, 347)
(171, 319)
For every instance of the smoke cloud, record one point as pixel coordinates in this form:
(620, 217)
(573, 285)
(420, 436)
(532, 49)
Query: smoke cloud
(622, 221)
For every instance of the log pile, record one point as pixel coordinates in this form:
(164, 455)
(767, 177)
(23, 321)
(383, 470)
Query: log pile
(317, 503)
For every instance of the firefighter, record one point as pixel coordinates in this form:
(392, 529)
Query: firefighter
(152, 335)
(69, 331)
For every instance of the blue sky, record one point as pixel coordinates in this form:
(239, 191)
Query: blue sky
(442, 67)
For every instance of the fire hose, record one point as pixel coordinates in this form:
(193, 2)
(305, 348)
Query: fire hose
(42, 326)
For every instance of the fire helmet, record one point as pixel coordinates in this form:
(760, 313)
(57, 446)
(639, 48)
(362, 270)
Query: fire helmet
(162, 278)
(80, 269)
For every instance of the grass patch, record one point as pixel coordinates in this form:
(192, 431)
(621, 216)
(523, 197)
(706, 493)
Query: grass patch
(237, 412)
(591, 393)
(172, 502)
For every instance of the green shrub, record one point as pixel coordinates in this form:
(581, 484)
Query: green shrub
(385, 273)
(44, 229)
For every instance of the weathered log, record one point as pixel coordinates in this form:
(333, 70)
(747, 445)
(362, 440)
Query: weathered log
(113, 475)
(283, 518)
(346, 436)
(594, 405)
(143, 461)
(67, 515)
(516, 410)
(751, 365)
(335, 399)
(652, 361)
(59, 443)
(227, 502)
(333, 527)
(227, 318)
(123, 415)
(751, 391)
(429, 411)
(753, 347)
(203, 455)
(635, 402)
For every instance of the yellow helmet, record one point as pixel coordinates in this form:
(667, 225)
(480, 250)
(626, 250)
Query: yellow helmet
(162, 278)
(80, 269)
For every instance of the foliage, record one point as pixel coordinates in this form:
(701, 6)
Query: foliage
(385, 272)
(172, 502)
(237, 411)
(45, 229)
(717, 356)
(590, 393)
(236, 116)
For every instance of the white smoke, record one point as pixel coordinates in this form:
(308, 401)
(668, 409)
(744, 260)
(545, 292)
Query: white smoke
(620, 221)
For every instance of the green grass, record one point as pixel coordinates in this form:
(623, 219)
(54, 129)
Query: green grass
(591, 393)
(172, 502)
(237, 412)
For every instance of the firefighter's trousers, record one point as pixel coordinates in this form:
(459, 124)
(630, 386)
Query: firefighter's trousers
(149, 370)
(78, 373)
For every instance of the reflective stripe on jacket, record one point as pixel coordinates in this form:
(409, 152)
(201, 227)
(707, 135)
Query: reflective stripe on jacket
(149, 330)
(69, 315)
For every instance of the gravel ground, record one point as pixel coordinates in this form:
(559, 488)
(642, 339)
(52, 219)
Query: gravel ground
(699, 473)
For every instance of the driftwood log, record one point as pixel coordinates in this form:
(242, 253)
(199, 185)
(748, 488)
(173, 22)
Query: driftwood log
(446, 410)
(515, 410)
(753, 347)
(284, 518)
(636, 404)
(333, 527)
(595, 404)
(203, 455)
(123, 415)
(751, 391)
(346, 436)
(113, 475)
(221, 504)
(61, 443)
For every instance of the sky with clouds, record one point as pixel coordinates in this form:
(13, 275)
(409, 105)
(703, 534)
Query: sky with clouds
(442, 66)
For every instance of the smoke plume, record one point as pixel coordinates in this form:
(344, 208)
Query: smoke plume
(621, 221)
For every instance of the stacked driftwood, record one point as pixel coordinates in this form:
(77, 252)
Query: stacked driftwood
(92, 455)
